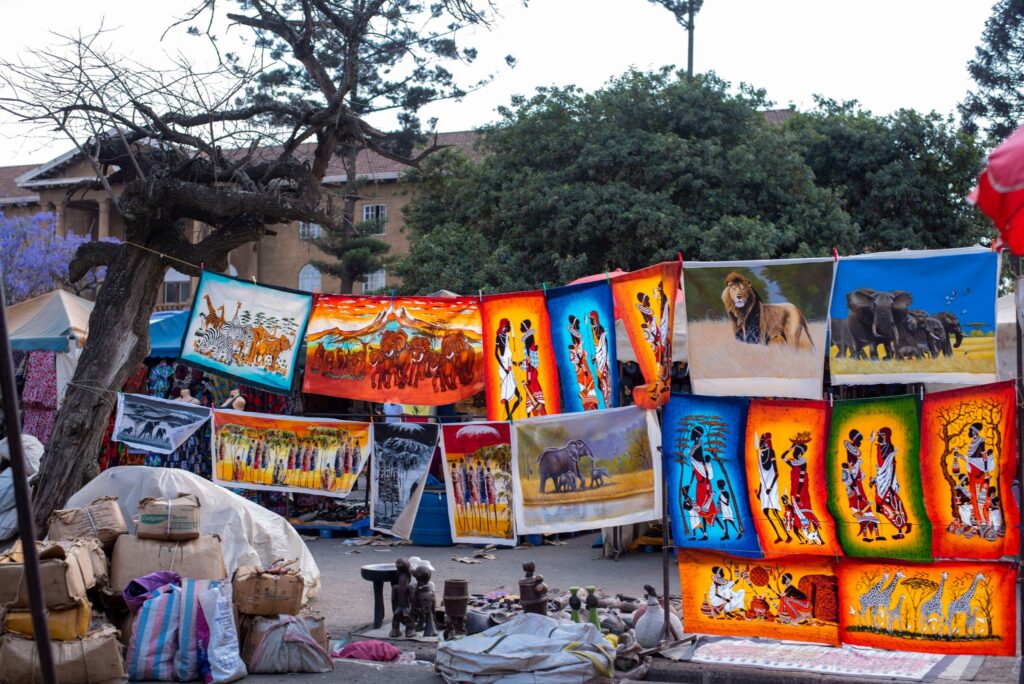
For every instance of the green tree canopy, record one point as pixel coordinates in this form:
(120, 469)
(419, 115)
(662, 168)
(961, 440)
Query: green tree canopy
(997, 102)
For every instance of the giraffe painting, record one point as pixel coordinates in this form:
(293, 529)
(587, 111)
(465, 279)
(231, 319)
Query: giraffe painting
(896, 614)
(878, 597)
(933, 607)
(961, 605)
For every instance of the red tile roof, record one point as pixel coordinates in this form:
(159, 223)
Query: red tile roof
(8, 182)
(777, 116)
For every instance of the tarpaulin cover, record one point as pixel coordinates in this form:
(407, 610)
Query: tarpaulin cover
(45, 323)
(165, 334)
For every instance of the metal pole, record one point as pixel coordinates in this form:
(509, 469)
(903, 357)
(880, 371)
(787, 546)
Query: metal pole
(23, 499)
(1019, 392)
(666, 630)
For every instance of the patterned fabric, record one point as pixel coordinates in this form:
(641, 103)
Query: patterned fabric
(137, 381)
(41, 381)
(39, 423)
(261, 401)
(160, 380)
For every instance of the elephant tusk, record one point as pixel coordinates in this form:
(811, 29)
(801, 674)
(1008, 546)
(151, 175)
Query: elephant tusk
(874, 329)
(896, 334)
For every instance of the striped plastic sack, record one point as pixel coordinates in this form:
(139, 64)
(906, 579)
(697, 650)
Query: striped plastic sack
(154, 641)
(192, 630)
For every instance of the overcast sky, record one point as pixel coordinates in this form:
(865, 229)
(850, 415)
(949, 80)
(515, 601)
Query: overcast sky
(888, 54)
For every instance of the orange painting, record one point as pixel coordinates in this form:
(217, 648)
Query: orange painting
(404, 350)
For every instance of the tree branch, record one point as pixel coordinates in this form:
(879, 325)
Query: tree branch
(91, 255)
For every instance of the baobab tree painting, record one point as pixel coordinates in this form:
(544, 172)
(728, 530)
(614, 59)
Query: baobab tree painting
(401, 460)
(478, 476)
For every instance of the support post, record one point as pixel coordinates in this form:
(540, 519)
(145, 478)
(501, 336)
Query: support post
(1019, 393)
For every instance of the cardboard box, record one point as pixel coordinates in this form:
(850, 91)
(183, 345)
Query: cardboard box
(257, 592)
(95, 659)
(174, 519)
(101, 519)
(88, 550)
(66, 574)
(65, 624)
(197, 559)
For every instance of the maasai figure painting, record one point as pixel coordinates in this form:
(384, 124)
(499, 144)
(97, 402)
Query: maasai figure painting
(702, 439)
(247, 332)
(288, 453)
(401, 462)
(968, 453)
(478, 479)
(585, 471)
(955, 608)
(153, 424)
(922, 316)
(874, 479)
(758, 328)
(519, 359)
(645, 301)
(796, 598)
(786, 480)
(403, 350)
(583, 332)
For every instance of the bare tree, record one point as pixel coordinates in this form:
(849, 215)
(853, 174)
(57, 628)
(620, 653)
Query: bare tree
(684, 11)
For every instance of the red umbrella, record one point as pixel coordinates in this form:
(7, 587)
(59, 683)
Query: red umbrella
(1000, 191)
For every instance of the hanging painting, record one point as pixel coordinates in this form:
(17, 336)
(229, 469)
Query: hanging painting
(583, 332)
(288, 453)
(954, 608)
(702, 439)
(787, 484)
(645, 301)
(403, 350)
(927, 316)
(401, 462)
(247, 332)
(519, 360)
(968, 453)
(794, 598)
(874, 479)
(158, 425)
(478, 479)
(580, 472)
(758, 328)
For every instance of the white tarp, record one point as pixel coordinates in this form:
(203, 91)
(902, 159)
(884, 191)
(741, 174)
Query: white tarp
(8, 511)
(250, 534)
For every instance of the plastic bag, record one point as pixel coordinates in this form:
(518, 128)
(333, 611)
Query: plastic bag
(139, 589)
(222, 649)
(155, 637)
(186, 658)
(286, 645)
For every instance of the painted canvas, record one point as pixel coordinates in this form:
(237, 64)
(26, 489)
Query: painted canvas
(645, 301)
(478, 479)
(707, 485)
(247, 332)
(288, 453)
(583, 332)
(968, 454)
(786, 481)
(928, 316)
(403, 350)
(874, 479)
(158, 425)
(954, 608)
(758, 328)
(401, 462)
(579, 472)
(519, 359)
(794, 598)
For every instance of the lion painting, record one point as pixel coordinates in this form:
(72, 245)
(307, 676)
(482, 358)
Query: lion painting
(756, 322)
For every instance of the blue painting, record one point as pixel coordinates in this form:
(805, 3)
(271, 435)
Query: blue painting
(702, 443)
(925, 316)
(583, 334)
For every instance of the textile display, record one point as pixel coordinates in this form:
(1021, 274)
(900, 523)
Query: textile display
(583, 332)
(248, 332)
(289, 453)
(874, 479)
(158, 425)
(956, 608)
(787, 484)
(758, 328)
(39, 396)
(968, 457)
(478, 479)
(580, 472)
(794, 598)
(707, 485)
(645, 301)
(401, 462)
(519, 359)
(927, 316)
(403, 350)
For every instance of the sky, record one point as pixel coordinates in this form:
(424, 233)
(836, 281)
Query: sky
(887, 55)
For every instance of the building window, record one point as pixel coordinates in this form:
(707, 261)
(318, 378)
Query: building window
(309, 231)
(375, 217)
(374, 281)
(309, 278)
(177, 287)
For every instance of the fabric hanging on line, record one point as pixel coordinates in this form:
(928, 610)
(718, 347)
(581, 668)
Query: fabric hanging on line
(402, 453)
(250, 333)
(39, 395)
(923, 316)
(519, 358)
(795, 598)
(403, 350)
(874, 479)
(580, 472)
(583, 332)
(289, 453)
(645, 301)
(477, 459)
(968, 453)
(702, 441)
(758, 328)
(157, 425)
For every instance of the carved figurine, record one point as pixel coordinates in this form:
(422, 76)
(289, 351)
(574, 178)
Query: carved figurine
(456, 604)
(592, 607)
(425, 601)
(402, 595)
(532, 591)
(575, 603)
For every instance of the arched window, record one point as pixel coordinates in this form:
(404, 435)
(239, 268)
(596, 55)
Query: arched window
(309, 278)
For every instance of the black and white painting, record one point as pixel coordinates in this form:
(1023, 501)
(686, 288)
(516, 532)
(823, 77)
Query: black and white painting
(158, 425)
(401, 460)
